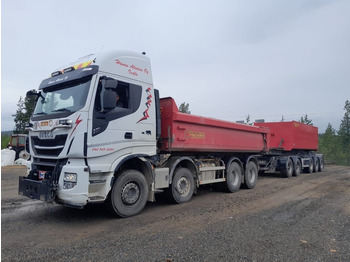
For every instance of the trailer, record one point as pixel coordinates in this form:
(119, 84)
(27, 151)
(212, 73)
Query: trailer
(100, 133)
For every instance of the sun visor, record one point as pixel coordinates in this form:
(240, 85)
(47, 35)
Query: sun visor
(68, 74)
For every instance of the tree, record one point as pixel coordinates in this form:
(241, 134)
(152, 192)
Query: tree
(185, 108)
(306, 120)
(247, 119)
(344, 135)
(24, 111)
(328, 145)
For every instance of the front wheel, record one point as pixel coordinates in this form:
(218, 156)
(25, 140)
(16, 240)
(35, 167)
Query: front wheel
(129, 193)
(182, 186)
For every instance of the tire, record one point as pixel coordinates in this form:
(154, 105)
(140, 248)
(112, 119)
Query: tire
(182, 186)
(233, 178)
(297, 168)
(250, 175)
(288, 171)
(129, 193)
(321, 166)
(317, 165)
(310, 168)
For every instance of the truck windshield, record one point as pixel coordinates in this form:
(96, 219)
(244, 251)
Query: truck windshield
(64, 98)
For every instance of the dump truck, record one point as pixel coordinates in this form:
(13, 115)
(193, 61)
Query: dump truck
(100, 133)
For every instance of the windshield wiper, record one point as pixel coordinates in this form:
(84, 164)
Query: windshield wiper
(61, 110)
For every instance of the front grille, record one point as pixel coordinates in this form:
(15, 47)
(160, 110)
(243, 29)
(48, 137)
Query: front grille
(48, 147)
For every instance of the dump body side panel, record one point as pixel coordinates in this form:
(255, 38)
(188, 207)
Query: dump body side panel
(190, 133)
(292, 135)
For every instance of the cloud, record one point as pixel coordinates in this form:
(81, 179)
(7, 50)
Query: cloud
(227, 59)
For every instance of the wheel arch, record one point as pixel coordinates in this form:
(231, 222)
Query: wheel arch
(136, 162)
(252, 158)
(230, 160)
(181, 161)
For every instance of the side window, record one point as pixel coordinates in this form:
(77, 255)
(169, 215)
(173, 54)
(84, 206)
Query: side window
(127, 101)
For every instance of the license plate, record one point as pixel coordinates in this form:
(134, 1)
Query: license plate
(46, 135)
(41, 174)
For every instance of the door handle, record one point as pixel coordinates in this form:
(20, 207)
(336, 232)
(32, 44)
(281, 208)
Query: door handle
(128, 135)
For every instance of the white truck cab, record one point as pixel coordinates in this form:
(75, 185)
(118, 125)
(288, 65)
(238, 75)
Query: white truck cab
(95, 118)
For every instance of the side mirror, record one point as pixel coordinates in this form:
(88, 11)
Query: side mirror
(109, 100)
(32, 93)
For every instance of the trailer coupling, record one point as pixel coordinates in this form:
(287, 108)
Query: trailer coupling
(36, 187)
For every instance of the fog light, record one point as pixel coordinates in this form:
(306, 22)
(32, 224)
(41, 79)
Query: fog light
(69, 180)
(69, 185)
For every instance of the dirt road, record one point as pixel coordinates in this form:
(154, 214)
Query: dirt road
(305, 218)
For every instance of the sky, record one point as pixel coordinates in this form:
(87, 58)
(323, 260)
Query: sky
(268, 59)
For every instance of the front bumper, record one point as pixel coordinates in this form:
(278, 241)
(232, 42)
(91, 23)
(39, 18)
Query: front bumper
(49, 188)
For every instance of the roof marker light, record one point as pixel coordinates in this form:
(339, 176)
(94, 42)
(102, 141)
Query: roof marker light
(68, 69)
(56, 73)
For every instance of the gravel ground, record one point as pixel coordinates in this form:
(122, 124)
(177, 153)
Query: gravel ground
(305, 218)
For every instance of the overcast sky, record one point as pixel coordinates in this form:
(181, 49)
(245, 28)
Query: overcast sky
(227, 59)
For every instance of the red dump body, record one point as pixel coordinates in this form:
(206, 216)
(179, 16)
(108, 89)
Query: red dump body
(185, 132)
(292, 135)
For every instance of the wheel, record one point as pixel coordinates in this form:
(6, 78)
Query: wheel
(297, 168)
(310, 169)
(129, 193)
(317, 165)
(288, 171)
(250, 175)
(182, 186)
(321, 166)
(233, 178)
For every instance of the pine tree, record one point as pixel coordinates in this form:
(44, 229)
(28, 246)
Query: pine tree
(24, 111)
(185, 108)
(247, 119)
(344, 135)
(306, 120)
(328, 145)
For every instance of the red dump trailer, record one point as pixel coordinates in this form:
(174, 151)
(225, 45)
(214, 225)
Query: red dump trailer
(221, 151)
(189, 133)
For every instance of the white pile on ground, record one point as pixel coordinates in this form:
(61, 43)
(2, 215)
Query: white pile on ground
(7, 157)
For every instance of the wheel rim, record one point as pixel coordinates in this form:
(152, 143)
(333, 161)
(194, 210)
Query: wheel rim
(234, 176)
(251, 175)
(289, 167)
(183, 186)
(130, 193)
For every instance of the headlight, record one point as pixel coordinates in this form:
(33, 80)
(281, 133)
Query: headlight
(70, 177)
(69, 180)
